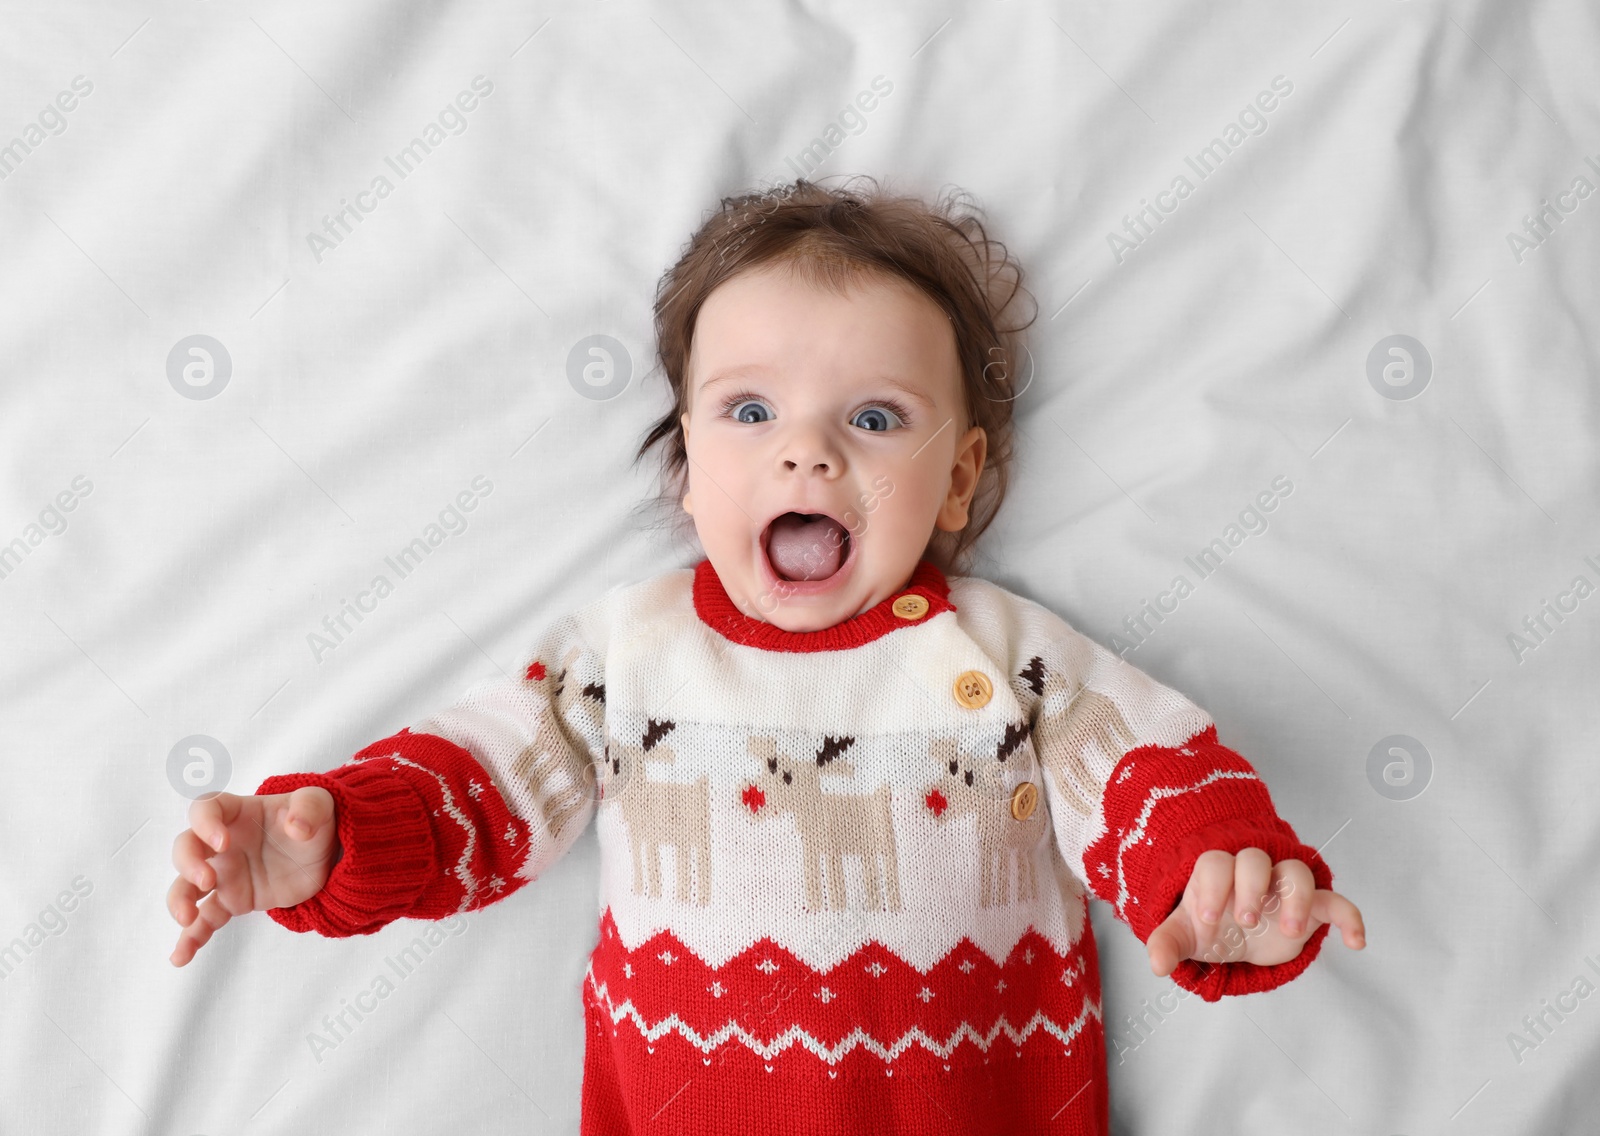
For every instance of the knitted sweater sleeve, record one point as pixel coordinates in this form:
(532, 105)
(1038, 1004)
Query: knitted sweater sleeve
(463, 808)
(1138, 786)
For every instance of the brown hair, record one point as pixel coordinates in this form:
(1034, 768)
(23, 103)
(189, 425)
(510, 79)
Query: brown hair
(834, 238)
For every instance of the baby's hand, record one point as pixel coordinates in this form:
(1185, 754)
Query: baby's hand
(1260, 928)
(250, 853)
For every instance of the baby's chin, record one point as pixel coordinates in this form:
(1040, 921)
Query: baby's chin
(792, 610)
(813, 615)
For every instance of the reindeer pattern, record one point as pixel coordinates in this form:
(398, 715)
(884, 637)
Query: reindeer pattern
(811, 786)
(1086, 717)
(659, 814)
(831, 825)
(969, 786)
(835, 826)
(545, 764)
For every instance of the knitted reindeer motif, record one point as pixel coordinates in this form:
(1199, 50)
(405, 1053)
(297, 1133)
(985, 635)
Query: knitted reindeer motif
(969, 785)
(660, 813)
(545, 763)
(831, 825)
(1087, 716)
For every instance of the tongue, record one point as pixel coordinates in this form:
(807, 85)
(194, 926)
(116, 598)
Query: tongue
(806, 546)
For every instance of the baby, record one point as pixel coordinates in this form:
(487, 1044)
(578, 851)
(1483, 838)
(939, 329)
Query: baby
(850, 802)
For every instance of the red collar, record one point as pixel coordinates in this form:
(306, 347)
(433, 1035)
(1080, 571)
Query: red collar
(718, 612)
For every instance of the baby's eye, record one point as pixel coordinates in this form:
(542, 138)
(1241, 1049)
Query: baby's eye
(750, 410)
(877, 419)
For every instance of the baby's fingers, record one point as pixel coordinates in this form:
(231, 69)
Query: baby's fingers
(1292, 881)
(1210, 883)
(183, 900)
(1331, 907)
(190, 855)
(1252, 875)
(210, 916)
(1170, 943)
(310, 807)
(209, 818)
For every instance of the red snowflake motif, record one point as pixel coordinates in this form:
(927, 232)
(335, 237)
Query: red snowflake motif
(753, 798)
(535, 671)
(936, 802)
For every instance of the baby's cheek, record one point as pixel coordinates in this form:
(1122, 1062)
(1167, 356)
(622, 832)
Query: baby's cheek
(905, 506)
(721, 490)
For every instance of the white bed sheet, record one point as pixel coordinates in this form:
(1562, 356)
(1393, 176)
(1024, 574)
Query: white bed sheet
(373, 379)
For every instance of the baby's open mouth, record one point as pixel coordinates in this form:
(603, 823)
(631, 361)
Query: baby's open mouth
(806, 546)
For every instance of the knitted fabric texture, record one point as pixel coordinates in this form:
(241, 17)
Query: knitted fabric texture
(844, 874)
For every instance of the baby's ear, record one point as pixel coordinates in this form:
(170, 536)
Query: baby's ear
(953, 513)
(964, 474)
(683, 423)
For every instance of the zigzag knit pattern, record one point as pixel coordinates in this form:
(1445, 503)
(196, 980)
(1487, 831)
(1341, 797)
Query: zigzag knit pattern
(844, 873)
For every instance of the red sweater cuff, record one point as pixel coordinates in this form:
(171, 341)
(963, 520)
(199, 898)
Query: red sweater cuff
(1166, 886)
(387, 851)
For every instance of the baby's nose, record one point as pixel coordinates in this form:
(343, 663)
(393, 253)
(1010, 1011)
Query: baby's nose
(812, 451)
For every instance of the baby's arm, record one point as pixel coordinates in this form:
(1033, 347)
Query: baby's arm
(1145, 803)
(422, 833)
(448, 815)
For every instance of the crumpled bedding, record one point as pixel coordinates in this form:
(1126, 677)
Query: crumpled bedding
(302, 299)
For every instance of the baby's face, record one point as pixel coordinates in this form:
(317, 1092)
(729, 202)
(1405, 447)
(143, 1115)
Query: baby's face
(806, 402)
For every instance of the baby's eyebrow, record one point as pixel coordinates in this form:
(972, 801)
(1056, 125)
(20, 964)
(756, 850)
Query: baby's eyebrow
(747, 374)
(729, 376)
(910, 391)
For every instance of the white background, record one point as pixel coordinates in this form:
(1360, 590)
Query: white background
(368, 389)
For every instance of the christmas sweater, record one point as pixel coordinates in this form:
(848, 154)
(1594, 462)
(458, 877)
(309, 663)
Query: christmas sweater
(844, 874)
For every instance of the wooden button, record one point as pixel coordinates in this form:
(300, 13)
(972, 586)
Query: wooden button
(910, 606)
(1024, 799)
(973, 689)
